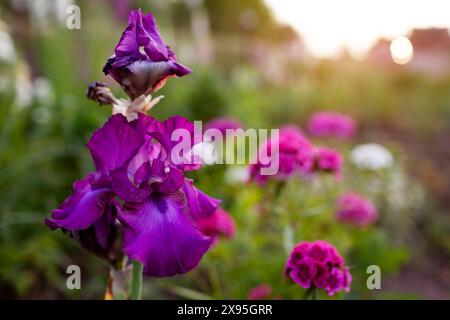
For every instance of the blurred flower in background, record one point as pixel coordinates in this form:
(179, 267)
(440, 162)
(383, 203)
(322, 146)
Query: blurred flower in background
(222, 124)
(236, 174)
(261, 292)
(7, 50)
(44, 12)
(294, 151)
(327, 160)
(371, 156)
(332, 125)
(220, 223)
(355, 209)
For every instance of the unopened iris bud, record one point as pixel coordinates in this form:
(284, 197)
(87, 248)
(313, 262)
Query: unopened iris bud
(142, 61)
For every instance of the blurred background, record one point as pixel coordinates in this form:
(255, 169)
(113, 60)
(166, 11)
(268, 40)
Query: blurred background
(265, 63)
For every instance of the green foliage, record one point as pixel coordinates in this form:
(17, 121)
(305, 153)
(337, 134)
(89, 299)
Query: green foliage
(42, 152)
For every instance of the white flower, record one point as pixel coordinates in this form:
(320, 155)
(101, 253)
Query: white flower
(237, 174)
(7, 50)
(43, 91)
(23, 87)
(371, 156)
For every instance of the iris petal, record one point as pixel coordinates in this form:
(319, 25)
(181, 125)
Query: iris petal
(82, 209)
(162, 237)
(115, 143)
(200, 205)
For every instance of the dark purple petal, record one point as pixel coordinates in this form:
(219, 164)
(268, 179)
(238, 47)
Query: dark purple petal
(124, 186)
(82, 209)
(128, 44)
(162, 237)
(150, 38)
(103, 238)
(115, 143)
(172, 182)
(200, 205)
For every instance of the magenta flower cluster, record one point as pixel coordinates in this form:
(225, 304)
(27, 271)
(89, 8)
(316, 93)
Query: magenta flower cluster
(297, 156)
(327, 160)
(318, 265)
(220, 223)
(355, 209)
(261, 292)
(223, 124)
(331, 124)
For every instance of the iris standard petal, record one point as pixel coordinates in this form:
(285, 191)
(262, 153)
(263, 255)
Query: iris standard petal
(115, 143)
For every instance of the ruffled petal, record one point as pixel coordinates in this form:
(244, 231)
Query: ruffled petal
(82, 209)
(178, 131)
(124, 186)
(162, 237)
(199, 204)
(149, 37)
(115, 143)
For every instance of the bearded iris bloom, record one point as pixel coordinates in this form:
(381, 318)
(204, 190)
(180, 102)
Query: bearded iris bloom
(142, 61)
(138, 189)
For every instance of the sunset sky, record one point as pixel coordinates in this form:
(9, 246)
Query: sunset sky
(327, 26)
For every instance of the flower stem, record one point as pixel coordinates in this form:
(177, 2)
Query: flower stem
(310, 294)
(136, 281)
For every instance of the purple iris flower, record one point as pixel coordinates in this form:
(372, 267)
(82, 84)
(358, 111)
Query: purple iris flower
(142, 61)
(89, 214)
(140, 190)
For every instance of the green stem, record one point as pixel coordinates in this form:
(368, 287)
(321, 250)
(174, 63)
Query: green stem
(310, 294)
(136, 281)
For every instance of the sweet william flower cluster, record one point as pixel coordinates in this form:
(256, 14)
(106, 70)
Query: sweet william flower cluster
(138, 201)
(297, 157)
(318, 265)
(355, 209)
